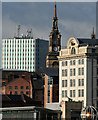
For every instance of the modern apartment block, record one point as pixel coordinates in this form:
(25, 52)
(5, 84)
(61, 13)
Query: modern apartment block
(78, 71)
(24, 54)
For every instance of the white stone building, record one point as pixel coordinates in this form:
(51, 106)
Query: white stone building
(78, 71)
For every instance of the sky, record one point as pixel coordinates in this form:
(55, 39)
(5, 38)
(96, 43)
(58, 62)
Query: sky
(75, 19)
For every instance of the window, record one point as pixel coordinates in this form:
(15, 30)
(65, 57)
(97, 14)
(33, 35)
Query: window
(15, 92)
(62, 83)
(65, 83)
(82, 61)
(82, 71)
(74, 93)
(79, 82)
(65, 63)
(82, 82)
(70, 93)
(62, 72)
(21, 92)
(74, 62)
(27, 87)
(27, 92)
(82, 93)
(71, 83)
(71, 62)
(23, 76)
(79, 62)
(10, 92)
(21, 87)
(63, 93)
(78, 93)
(70, 72)
(65, 72)
(10, 87)
(16, 87)
(74, 72)
(73, 51)
(62, 63)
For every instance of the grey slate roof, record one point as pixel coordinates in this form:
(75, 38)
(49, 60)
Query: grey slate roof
(52, 71)
(87, 41)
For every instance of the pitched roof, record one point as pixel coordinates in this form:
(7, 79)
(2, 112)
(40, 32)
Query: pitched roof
(87, 41)
(15, 98)
(52, 71)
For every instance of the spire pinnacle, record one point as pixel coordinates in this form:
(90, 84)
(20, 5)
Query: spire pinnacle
(55, 24)
(93, 34)
(55, 15)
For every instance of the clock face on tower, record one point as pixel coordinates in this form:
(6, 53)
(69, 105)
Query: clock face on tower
(55, 48)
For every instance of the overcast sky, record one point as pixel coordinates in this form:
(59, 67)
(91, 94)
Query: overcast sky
(75, 19)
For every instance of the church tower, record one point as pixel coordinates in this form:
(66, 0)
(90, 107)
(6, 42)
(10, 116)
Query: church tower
(54, 44)
(93, 34)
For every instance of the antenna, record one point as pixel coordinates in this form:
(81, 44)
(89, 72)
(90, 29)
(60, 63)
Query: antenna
(29, 33)
(18, 30)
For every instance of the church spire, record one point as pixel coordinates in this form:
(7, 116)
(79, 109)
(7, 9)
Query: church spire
(93, 34)
(55, 15)
(54, 43)
(55, 24)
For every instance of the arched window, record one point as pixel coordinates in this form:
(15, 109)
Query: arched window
(73, 51)
(55, 64)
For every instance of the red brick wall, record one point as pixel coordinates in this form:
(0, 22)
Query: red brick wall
(45, 91)
(55, 93)
(19, 82)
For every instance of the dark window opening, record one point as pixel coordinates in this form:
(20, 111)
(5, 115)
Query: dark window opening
(55, 64)
(10, 78)
(21, 87)
(73, 51)
(16, 76)
(23, 77)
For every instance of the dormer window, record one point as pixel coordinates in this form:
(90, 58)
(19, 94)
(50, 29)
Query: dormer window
(73, 51)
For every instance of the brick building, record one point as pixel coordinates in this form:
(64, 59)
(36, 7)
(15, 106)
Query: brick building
(16, 82)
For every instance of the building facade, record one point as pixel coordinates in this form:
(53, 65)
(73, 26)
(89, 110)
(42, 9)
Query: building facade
(16, 82)
(51, 87)
(78, 71)
(54, 43)
(24, 54)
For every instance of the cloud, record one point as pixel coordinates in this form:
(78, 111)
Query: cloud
(10, 29)
(75, 19)
(75, 29)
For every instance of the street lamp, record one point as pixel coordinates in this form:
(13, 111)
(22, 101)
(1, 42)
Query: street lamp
(89, 113)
